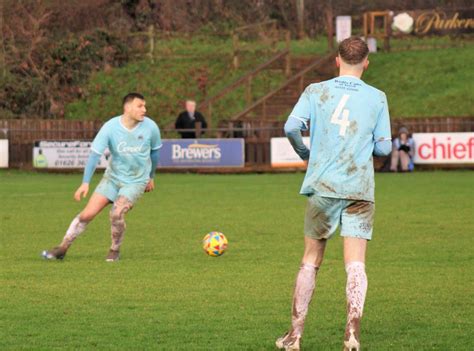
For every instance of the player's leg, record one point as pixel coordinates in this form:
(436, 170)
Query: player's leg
(321, 221)
(303, 292)
(306, 281)
(357, 223)
(356, 289)
(95, 204)
(117, 221)
(126, 198)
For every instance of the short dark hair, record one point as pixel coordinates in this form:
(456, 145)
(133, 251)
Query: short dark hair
(131, 96)
(353, 50)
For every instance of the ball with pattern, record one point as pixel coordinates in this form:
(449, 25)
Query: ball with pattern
(214, 244)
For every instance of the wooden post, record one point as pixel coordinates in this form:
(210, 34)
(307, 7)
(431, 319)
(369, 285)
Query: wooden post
(301, 84)
(151, 37)
(330, 26)
(2, 43)
(372, 23)
(264, 110)
(230, 129)
(388, 32)
(198, 127)
(248, 91)
(209, 115)
(287, 65)
(287, 39)
(300, 18)
(366, 25)
(274, 37)
(235, 50)
(287, 56)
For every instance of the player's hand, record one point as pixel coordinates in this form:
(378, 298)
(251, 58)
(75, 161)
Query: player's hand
(150, 186)
(81, 192)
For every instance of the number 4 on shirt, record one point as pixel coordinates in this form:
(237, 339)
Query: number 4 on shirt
(343, 122)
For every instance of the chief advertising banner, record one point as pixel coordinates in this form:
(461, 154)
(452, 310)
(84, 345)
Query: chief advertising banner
(443, 148)
(283, 155)
(64, 154)
(193, 153)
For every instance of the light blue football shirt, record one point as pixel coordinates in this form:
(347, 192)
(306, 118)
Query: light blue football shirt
(347, 117)
(129, 148)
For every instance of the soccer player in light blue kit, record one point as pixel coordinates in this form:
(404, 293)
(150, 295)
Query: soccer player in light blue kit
(349, 122)
(134, 142)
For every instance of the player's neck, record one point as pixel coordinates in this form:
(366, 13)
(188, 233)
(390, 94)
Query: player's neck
(128, 122)
(349, 72)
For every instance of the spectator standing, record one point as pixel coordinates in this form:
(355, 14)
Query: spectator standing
(188, 120)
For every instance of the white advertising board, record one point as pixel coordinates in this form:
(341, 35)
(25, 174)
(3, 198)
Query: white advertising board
(343, 27)
(3, 153)
(443, 148)
(64, 154)
(283, 155)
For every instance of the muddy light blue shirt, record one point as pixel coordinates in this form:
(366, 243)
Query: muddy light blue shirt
(129, 149)
(348, 119)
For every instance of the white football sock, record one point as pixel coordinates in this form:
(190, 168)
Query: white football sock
(356, 289)
(304, 288)
(75, 229)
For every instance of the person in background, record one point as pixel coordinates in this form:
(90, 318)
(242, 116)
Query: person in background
(403, 150)
(187, 120)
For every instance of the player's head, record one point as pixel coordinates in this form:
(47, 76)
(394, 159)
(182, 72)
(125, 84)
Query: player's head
(134, 106)
(190, 106)
(353, 54)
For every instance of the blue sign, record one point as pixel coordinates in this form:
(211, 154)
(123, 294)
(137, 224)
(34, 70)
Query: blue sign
(193, 153)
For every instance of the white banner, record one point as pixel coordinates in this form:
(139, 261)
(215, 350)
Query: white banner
(283, 155)
(372, 44)
(4, 153)
(444, 148)
(64, 154)
(343, 27)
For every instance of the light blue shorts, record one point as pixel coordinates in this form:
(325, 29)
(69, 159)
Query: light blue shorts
(324, 214)
(112, 190)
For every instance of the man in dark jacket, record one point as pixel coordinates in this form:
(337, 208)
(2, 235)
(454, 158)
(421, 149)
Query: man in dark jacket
(187, 120)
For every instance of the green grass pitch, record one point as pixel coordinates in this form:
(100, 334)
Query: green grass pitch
(166, 294)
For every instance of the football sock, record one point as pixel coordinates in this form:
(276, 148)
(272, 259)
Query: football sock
(356, 289)
(75, 229)
(304, 288)
(117, 221)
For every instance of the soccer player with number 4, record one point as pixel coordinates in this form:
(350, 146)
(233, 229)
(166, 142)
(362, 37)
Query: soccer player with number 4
(349, 122)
